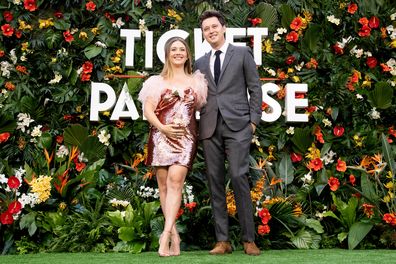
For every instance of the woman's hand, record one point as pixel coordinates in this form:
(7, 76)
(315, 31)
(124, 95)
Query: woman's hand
(173, 131)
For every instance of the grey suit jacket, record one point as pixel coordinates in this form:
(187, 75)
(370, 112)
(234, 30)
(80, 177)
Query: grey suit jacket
(238, 78)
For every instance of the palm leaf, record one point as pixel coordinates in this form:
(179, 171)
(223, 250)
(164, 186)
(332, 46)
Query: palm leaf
(268, 15)
(75, 135)
(287, 14)
(382, 95)
(93, 150)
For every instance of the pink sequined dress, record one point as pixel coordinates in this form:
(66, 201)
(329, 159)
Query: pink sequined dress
(174, 106)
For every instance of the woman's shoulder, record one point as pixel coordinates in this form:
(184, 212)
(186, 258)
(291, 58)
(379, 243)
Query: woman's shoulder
(198, 76)
(154, 79)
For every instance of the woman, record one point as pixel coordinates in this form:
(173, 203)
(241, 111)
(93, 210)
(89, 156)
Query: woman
(170, 101)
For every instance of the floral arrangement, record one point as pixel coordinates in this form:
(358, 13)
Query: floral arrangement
(328, 182)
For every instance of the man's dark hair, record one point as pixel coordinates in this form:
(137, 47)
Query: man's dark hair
(209, 14)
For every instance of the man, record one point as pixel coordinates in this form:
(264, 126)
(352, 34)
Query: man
(227, 124)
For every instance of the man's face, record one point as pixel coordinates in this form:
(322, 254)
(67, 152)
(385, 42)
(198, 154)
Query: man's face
(213, 32)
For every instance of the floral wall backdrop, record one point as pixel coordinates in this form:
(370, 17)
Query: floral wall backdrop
(71, 184)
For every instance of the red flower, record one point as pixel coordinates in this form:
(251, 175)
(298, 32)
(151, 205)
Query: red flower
(363, 21)
(58, 14)
(338, 50)
(371, 62)
(13, 182)
(179, 213)
(6, 218)
(290, 60)
(312, 64)
(392, 131)
(7, 29)
(68, 36)
(390, 218)
(311, 109)
(255, 21)
(265, 215)
(250, 2)
(319, 135)
(292, 37)
(10, 87)
(190, 206)
(334, 183)
(87, 67)
(14, 207)
(263, 229)
(295, 157)
(374, 22)
(30, 5)
(352, 8)
(341, 165)
(8, 17)
(18, 34)
(59, 139)
(21, 69)
(365, 31)
(90, 6)
(352, 179)
(85, 77)
(110, 16)
(4, 137)
(315, 164)
(368, 210)
(2, 53)
(80, 166)
(338, 131)
(296, 23)
(385, 68)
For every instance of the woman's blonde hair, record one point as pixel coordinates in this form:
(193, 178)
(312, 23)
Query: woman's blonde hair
(167, 71)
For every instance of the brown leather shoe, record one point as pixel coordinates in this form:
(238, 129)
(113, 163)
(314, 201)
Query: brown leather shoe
(251, 248)
(221, 248)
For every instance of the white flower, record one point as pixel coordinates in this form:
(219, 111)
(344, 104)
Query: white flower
(270, 71)
(17, 2)
(307, 179)
(281, 31)
(114, 202)
(334, 20)
(326, 122)
(277, 37)
(357, 52)
(3, 178)
(82, 158)
(36, 131)
(100, 44)
(393, 16)
(142, 26)
(374, 114)
(5, 68)
(104, 137)
(118, 23)
(359, 96)
(256, 141)
(290, 131)
(56, 79)
(62, 52)
(328, 158)
(298, 67)
(62, 152)
(23, 58)
(367, 54)
(30, 199)
(24, 121)
(391, 31)
(13, 57)
(344, 42)
(149, 4)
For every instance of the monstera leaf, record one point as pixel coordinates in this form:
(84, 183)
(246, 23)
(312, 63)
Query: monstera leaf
(382, 95)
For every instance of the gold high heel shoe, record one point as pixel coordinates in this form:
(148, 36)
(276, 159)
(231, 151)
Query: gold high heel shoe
(161, 251)
(174, 249)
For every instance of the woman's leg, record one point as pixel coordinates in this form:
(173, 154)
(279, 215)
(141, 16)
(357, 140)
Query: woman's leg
(162, 175)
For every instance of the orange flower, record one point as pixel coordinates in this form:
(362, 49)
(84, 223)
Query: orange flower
(334, 183)
(21, 69)
(263, 229)
(315, 164)
(90, 6)
(368, 210)
(292, 36)
(9, 86)
(296, 23)
(312, 64)
(190, 206)
(318, 134)
(265, 215)
(352, 8)
(341, 165)
(352, 179)
(390, 218)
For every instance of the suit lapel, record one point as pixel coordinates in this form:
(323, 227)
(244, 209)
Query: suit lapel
(227, 59)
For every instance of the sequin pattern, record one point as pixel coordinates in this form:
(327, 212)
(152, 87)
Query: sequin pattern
(174, 107)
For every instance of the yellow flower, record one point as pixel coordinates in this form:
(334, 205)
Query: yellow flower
(174, 14)
(304, 23)
(53, 59)
(393, 44)
(25, 46)
(116, 59)
(116, 69)
(45, 23)
(78, 109)
(231, 206)
(297, 210)
(386, 199)
(295, 79)
(24, 26)
(95, 30)
(119, 52)
(290, 70)
(62, 206)
(367, 81)
(273, 201)
(389, 185)
(267, 47)
(42, 187)
(343, 5)
(307, 15)
(313, 152)
(83, 35)
(106, 113)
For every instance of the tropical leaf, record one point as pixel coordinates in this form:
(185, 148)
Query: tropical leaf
(302, 139)
(357, 232)
(52, 39)
(311, 37)
(287, 15)
(75, 135)
(302, 240)
(382, 95)
(388, 154)
(92, 148)
(92, 51)
(268, 15)
(315, 225)
(368, 188)
(286, 170)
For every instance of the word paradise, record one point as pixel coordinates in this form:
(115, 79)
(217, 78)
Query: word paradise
(124, 106)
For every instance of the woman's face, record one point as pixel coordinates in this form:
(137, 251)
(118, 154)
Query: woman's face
(178, 54)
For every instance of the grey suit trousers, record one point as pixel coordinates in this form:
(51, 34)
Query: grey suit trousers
(233, 146)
